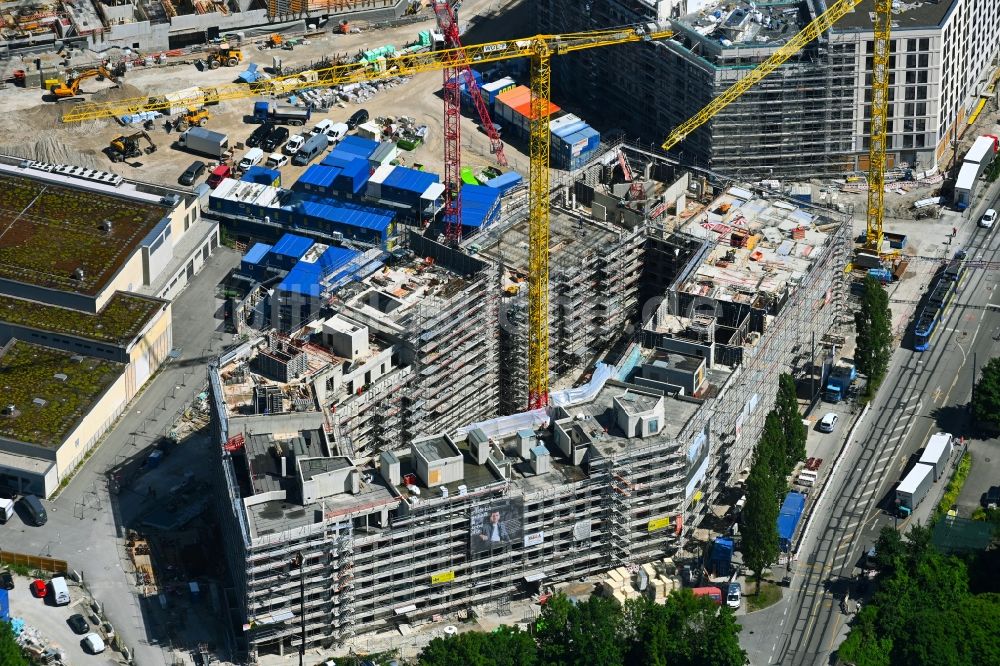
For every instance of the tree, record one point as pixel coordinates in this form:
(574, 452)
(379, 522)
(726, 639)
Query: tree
(686, 631)
(787, 406)
(588, 632)
(770, 452)
(10, 651)
(986, 395)
(504, 647)
(759, 521)
(873, 324)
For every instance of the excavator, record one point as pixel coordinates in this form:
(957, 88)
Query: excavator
(126, 147)
(71, 89)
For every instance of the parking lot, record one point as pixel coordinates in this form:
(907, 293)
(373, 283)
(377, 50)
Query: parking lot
(48, 622)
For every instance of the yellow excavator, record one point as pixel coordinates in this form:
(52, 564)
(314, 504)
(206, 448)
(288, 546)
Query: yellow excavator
(126, 147)
(71, 89)
(224, 56)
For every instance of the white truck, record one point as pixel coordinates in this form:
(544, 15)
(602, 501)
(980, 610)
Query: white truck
(913, 489)
(204, 142)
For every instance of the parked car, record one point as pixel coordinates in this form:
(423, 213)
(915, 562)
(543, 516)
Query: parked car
(38, 588)
(253, 157)
(734, 596)
(359, 116)
(78, 624)
(275, 160)
(93, 643)
(219, 174)
(6, 581)
(258, 135)
(828, 422)
(988, 218)
(294, 143)
(277, 137)
(192, 173)
(993, 497)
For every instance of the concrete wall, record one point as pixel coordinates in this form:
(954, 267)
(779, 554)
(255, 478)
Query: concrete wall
(97, 421)
(150, 350)
(128, 278)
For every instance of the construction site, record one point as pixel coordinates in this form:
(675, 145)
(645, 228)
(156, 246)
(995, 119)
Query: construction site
(485, 350)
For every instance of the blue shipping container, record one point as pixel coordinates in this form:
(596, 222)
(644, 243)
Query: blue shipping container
(788, 519)
(356, 145)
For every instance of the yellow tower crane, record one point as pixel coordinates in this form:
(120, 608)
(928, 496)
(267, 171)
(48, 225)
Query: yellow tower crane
(880, 101)
(539, 49)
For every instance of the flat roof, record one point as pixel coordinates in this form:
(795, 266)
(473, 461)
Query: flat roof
(435, 448)
(119, 321)
(904, 15)
(51, 391)
(48, 231)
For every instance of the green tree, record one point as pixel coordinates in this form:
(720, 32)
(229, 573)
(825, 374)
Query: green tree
(986, 395)
(10, 651)
(873, 324)
(758, 521)
(589, 632)
(771, 454)
(787, 407)
(686, 631)
(506, 646)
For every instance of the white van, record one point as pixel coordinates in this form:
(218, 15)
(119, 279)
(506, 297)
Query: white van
(253, 157)
(337, 132)
(323, 127)
(294, 143)
(60, 591)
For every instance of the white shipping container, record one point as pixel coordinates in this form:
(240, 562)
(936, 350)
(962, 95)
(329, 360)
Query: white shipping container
(937, 453)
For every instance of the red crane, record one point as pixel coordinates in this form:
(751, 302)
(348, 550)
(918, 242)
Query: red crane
(452, 118)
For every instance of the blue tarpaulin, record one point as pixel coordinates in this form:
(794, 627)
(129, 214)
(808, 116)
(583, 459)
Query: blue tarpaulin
(291, 245)
(788, 518)
(356, 145)
(4, 606)
(479, 205)
(409, 180)
(305, 277)
(505, 181)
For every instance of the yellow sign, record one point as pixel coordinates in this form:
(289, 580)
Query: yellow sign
(658, 523)
(445, 577)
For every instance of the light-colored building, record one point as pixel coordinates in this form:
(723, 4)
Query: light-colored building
(808, 118)
(88, 264)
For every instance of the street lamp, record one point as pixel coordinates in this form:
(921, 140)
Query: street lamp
(300, 561)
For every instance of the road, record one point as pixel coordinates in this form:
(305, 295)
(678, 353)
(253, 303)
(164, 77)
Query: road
(82, 528)
(923, 392)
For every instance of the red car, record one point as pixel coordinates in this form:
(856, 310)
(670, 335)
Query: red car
(38, 589)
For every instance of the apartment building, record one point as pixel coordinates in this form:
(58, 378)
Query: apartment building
(809, 118)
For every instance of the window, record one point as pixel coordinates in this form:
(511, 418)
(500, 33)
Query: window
(925, 44)
(923, 60)
(911, 45)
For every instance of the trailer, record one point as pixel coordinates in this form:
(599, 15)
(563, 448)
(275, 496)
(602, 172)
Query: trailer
(788, 519)
(937, 453)
(979, 157)
(204, 142)
(912, 490)
(267, 112)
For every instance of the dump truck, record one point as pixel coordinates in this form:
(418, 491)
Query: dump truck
(914, 487)
(266, 112)
(838, 383)
(204, 142)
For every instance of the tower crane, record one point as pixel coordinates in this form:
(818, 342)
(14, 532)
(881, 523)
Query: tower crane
(539, 49)
(452, 120)
(879, 111)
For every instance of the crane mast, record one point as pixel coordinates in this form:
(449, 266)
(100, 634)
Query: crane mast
(880, 96)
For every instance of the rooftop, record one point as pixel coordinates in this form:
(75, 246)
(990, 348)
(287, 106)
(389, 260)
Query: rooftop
(908, 14)
(745, 22)
(50, 390)
(757, 247)
(119, 322)
(49, 231)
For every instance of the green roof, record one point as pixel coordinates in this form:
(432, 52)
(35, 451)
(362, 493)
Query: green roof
(121, 319)
(49, 231)
(28, 372)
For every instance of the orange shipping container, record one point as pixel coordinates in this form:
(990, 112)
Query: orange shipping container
(514, 96)
(525, 109)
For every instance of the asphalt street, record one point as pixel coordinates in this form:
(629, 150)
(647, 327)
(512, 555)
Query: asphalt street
(923, 393)
(81, 528)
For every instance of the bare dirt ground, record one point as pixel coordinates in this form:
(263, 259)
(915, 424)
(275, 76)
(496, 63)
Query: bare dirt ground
(31, 127)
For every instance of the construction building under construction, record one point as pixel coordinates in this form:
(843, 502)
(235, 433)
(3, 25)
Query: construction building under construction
(809, 118)
(724, 287)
